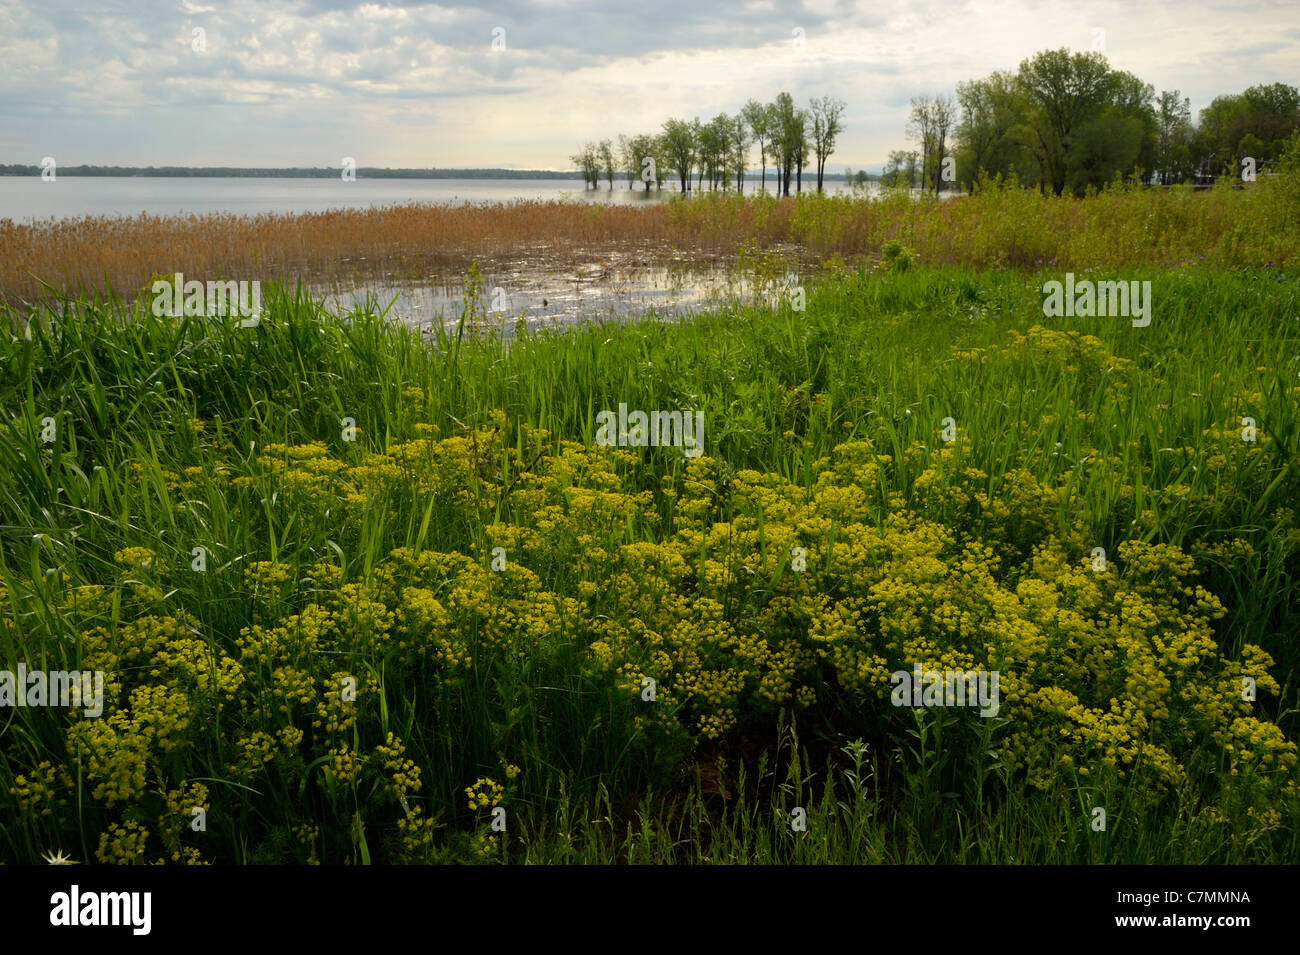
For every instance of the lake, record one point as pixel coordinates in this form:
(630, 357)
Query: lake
(25, 198)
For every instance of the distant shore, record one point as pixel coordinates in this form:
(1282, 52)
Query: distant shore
(326, 172)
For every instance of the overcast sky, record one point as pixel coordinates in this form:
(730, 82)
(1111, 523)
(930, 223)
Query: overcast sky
(304, 84)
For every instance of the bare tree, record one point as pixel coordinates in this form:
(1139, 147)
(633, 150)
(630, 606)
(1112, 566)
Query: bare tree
(931, 121)
(944, 113)
(826, 127)
(758, 117)
(740, 143)
(607, 160)
(801, 146)
(920, 127)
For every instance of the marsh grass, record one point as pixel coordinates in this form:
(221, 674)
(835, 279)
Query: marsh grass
(1124, 227)
(1136, 428)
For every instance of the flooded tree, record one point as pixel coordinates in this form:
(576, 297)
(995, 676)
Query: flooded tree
(826, 127)
(607, 161)
(759, 118)
(678, 144)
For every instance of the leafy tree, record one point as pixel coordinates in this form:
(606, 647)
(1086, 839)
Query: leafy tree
(1173, 136)
(1274, 115)
(1066, 90)
(1101, 148)
(719, 135)
(1130, 98)
(587, 160)
(678, 142)
(992, 135)
(787, 136)
(633, 152)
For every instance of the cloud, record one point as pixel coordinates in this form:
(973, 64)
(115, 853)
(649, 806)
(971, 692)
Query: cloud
(302, 83)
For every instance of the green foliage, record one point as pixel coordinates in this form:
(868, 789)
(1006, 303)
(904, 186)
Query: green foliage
(371, 559)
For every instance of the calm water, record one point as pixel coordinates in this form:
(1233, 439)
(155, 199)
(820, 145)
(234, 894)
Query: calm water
(547, 299)
(591, 293)
(25, 198)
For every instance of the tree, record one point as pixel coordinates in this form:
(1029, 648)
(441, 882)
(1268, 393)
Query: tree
(679, 150)
(588, 162)
(717, 138)
(634, 152)
(1066, 90)
(912, 168)
(944, 113)
(787, 135)
(662, 164)
(992, 136)
(920, 127)
(931, 120)
(826, 127)
(1173, 136)
(740, 143)
(1267, 114)
(802, 124)
(1274, 115)
(1101, 148)
(607, 161)
(1131, 98)
(758, 117)
(891, 175)
(697, 133)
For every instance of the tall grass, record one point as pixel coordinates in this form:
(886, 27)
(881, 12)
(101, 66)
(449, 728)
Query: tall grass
(999, 227)
(172, 434)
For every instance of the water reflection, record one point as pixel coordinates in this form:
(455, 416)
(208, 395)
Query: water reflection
(592, 293)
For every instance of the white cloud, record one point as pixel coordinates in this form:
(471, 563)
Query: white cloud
(419, 84)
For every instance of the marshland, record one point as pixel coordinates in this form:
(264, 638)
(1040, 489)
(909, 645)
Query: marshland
(369, 581)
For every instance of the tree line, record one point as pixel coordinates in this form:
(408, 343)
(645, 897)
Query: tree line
(691, 151)
(1067, 121)
(312, 172)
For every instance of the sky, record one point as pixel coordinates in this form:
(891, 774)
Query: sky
(524, 85)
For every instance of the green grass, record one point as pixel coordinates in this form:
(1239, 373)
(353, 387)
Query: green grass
(1123, 430)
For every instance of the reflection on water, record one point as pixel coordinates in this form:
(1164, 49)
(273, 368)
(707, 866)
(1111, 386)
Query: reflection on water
(589, 294)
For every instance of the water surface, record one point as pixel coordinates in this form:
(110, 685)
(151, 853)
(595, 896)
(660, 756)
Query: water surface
(25, 198)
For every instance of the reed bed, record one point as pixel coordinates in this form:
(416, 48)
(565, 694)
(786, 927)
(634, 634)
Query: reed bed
(999, 227)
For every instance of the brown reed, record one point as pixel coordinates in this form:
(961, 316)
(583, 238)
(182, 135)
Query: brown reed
(419, 242)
